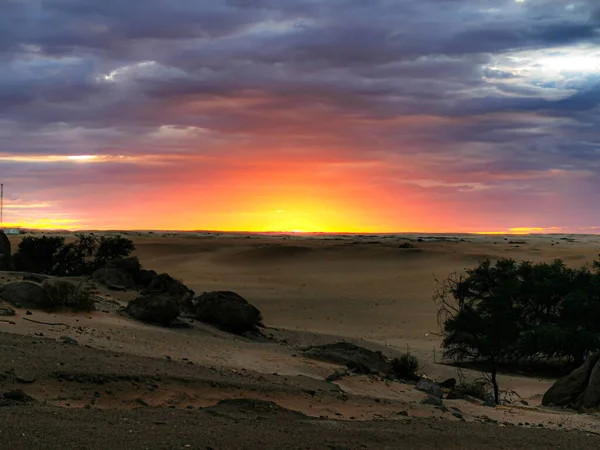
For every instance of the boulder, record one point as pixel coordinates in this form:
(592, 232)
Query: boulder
(354, 357)
(432, 400)
(6, 311)
(146, 277)
(450, 383)
(130, 266)
(154, 307)
(25, 294)
(567, 390)
(429, 386)
(228, 311)
(591, 396)
(110, 276)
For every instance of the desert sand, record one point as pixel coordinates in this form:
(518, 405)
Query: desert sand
(157, 385)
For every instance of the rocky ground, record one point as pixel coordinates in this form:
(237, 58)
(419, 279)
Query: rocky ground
(77, 397)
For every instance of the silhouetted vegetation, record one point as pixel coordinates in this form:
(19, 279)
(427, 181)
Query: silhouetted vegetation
(37, 253)
(64, 294)
(50, 255)
(405, 367)
(112, 247)
(511, 313)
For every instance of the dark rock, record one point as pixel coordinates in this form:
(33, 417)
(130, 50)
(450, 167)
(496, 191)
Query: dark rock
(590, 398)
(35, 277)
(164, 282)
(116, 287)
(6, 311)
(68, 340)
(25, 294)
(489, 401)
(429, 386)
(146, 277)
(228, 311)
(359, 359)
(567, 390)
(130, 266)
(25, 378)
(448, 384)
(17, 395)
(115, 277)
(458, 415)
(159, 308)
(433, 400)
(335, 376)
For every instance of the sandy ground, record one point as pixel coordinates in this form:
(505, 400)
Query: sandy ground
(310, 290)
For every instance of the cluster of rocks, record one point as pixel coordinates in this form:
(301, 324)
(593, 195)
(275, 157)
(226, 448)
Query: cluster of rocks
(162, 299)
(580, 389)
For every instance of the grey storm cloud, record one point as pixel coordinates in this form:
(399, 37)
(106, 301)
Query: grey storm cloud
(87, 76)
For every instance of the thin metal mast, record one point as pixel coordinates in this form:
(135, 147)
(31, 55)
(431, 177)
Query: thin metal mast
(1, 206)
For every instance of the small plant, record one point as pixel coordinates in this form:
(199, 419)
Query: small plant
(64, 294)
(477, 389)
(406, 245)
(406, 367)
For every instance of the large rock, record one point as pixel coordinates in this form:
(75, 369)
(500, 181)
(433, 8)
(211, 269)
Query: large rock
(110, 276)
(429, 386)
(6, 311)
(154, 282)
(354, 357)
(591, 396)
(25, 294)
(228, 311)
(130, 266)
(154, 307)
(567, 390)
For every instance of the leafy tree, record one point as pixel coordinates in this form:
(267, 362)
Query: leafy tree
(112, 247)
(37, 253)
(509, 312)
(75, 258)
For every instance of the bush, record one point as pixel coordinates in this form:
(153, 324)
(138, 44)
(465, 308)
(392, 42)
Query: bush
(405, 367)
(50, 255)
(477, 389)
(64, 294)
(112, 247)
(37, 253)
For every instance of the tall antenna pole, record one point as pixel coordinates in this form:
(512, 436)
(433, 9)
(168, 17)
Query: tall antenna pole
(1, 206)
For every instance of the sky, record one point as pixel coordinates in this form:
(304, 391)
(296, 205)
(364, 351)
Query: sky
(301, 115)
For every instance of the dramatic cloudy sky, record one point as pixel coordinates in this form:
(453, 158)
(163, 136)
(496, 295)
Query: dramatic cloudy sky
(355, 115)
